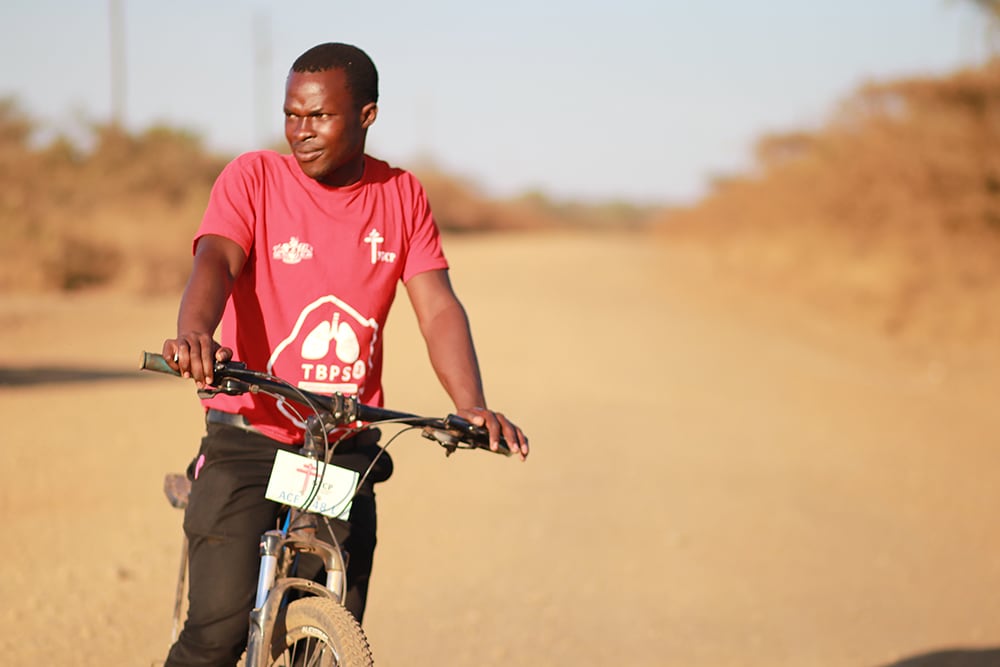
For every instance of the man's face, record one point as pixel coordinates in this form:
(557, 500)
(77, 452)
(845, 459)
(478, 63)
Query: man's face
(324, 127)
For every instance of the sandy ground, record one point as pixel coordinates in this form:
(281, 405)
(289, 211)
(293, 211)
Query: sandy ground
(715, 480)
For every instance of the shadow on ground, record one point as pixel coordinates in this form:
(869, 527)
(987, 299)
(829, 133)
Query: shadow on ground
(989, 657)
(38, 375)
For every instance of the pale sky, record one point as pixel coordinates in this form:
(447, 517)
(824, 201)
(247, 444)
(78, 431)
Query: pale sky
(642, 100)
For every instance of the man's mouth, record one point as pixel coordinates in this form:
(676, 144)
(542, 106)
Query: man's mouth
(307, 154)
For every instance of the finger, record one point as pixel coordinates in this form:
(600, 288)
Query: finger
(495, 428)
(507, 431)
(478, 417)
(182, 358)
(473, 415)
(516, 441)
(192, 359)
(170, 353)
(208, 363)
(522, 444)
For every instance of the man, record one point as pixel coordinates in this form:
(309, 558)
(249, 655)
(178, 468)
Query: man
(298, 257)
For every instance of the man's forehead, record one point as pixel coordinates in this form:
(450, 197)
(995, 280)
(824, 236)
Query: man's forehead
(332, 76)
(316, 83)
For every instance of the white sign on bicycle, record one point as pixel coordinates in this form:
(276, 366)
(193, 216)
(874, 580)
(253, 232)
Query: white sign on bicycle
(294, 479)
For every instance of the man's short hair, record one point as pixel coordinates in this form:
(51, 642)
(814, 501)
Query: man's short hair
(362, 77)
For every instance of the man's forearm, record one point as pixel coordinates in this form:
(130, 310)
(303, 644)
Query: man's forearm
(453, 357)
(217, 262)
(204, 300)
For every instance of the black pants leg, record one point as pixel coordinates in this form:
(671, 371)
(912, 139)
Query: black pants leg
(225, 517)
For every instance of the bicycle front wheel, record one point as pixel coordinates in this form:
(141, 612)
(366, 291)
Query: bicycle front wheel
(318, 632)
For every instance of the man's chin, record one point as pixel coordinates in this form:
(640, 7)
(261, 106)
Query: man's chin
(313, 170)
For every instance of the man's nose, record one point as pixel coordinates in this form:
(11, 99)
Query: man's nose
(304, 127)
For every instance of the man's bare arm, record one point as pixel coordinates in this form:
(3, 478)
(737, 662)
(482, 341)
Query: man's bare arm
(445, 328)
(217, 263)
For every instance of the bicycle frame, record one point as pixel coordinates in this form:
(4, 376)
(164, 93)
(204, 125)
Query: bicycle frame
(273, 584)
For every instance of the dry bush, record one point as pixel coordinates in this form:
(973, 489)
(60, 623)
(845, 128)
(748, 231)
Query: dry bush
(75, 218)
(122, 212)
(459, 206)
(890, 213)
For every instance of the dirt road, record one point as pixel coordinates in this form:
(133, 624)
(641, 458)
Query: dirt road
(714, 481)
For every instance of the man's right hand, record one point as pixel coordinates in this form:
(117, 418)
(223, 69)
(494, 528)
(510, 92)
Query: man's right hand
(194, 355)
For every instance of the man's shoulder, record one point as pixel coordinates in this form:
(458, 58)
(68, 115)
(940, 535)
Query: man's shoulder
(263, 158)
(381, 172)
(256, 167)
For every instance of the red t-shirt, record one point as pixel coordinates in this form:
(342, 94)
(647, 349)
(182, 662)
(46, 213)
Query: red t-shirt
(322, 268)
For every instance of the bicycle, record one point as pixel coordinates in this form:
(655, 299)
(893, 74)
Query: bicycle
(314, 628)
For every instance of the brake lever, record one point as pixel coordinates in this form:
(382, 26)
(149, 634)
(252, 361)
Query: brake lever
(446, 439)
(229, 386)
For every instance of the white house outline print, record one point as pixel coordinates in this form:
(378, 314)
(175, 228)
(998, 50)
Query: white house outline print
(336, 334)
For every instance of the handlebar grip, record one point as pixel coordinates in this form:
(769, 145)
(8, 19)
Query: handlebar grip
(151, 361)
(478, 435)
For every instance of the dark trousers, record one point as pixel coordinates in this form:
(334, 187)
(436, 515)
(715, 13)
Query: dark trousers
(225, 517)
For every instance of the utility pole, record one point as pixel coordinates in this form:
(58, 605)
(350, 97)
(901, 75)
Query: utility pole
(263, 113)
(117, 37)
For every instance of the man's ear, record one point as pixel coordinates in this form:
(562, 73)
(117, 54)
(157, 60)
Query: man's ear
(368, 114)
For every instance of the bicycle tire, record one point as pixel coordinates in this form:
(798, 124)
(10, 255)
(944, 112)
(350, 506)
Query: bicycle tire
(318, 632)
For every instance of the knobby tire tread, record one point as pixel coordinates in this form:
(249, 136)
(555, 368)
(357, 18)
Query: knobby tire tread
(307, 617)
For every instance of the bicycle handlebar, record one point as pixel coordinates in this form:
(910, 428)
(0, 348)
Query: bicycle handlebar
(233, 378)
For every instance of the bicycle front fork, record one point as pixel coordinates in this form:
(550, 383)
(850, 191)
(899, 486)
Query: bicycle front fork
(270, 548)
(270, 591)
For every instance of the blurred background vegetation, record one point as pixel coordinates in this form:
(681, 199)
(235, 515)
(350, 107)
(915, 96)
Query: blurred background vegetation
(890, 211)
(115, 209)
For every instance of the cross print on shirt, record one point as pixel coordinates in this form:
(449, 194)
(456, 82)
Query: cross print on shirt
(374, 238)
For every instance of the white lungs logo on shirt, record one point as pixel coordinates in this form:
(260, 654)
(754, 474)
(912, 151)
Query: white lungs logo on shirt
(345, 342)
(327, 350)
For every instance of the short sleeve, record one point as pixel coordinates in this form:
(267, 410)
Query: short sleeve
(231, 209)
(424, 251)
